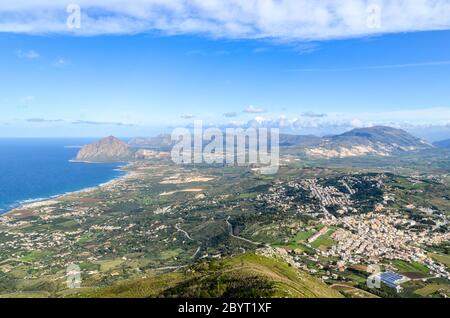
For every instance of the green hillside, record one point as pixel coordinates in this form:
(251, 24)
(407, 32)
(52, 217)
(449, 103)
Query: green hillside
(247, 275)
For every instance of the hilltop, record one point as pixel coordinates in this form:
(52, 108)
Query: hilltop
(109, 149)
(244, 276)
(378, 140)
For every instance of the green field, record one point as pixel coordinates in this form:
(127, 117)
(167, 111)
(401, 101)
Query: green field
(430, 289)
(405, 267)
(304, 235)
(324, 241)
(35, 256)
(441, 258)
(110, 264)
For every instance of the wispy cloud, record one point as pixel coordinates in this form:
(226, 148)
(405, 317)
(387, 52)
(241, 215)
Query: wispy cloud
(376, 67)
(29, 55)
(43, 120)
(99, 123)
(223, 52)
(326, 123)
(196, 53)
(313, 115)
(254, 110)
(187, 116)
(287, 20)
(259, 50)
(77, 122)
(61, 62)
(306, 48)
(230, 114)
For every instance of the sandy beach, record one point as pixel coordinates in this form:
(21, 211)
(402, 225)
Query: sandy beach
(39, 203)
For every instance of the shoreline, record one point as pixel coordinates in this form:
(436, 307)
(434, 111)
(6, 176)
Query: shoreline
(34, 203)
(97, 162)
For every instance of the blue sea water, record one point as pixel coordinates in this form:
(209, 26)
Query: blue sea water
(33, 169)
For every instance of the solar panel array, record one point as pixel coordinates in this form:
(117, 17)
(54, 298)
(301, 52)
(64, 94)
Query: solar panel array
(390, 278)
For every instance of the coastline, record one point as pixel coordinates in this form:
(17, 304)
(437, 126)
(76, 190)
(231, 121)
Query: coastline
(34, 203)
(96, 162)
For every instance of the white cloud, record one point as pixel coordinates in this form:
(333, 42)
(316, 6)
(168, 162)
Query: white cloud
(313, 115)
(43, 120)
(356, 123)
(376, 67)
(286, 20)
(254, 110)
(30, 54)
(99, 123)
(230, 114)
(326, 123)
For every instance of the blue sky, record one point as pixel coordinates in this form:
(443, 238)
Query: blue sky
(55, 84)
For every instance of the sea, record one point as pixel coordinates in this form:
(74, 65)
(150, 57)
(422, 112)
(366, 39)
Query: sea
(37, 169)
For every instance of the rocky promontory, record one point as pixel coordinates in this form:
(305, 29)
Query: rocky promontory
(109, 149)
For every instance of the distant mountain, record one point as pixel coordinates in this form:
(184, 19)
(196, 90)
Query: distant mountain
(160, 141)
(299, 140)
(443, 143)
(108, 149)
(164, 141)
(378, 140)
(382, 134)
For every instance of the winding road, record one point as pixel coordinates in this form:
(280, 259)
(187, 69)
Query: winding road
(177, 226)
(230, 228)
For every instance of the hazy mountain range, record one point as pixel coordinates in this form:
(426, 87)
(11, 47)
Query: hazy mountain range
(443, 143)
(379, 140)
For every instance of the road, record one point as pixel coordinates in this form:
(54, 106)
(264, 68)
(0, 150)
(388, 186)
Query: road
(230, 228)
(196, 252)
(177, 226)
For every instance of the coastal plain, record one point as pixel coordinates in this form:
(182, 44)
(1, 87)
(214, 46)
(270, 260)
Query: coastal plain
(166, 230)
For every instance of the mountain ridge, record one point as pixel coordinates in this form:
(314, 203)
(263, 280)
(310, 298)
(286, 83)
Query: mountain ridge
(377, 140)
(442, 143)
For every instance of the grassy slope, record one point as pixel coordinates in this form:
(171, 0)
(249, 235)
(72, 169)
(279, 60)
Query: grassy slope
(441, 258)
(405, 267)
(247, 275)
